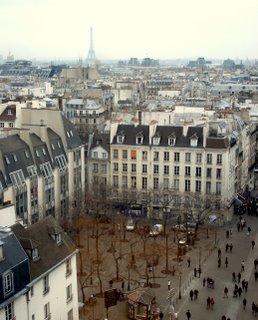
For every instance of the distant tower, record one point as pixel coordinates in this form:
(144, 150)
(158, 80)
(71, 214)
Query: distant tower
(91, 54)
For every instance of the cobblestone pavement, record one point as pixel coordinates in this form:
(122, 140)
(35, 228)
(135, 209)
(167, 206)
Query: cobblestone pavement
(205, 253)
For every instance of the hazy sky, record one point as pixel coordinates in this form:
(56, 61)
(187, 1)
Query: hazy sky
(164, 29)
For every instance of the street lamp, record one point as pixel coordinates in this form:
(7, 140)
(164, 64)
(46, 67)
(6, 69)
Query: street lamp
(179, 291)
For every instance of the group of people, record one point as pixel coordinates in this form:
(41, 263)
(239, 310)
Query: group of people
(193, 294)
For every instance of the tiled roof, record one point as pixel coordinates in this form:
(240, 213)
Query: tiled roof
(213, 142)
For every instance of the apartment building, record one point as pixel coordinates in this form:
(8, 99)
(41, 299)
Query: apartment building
(38, 271)
(42, 164)
(164, 167)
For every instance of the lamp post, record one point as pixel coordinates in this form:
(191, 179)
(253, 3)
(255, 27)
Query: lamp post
(179, 290)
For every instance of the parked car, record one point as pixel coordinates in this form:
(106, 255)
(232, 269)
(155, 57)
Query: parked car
(156, 229)
(130, 226)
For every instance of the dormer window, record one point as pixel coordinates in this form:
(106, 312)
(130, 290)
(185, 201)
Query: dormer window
(35, 254)
(7, 160)
(156, 140)
(14, 158)
(1, 250)
(139, 139)
(194, 141)
(120, 137)
(58, 238)
(8, 283)
(9, 112)
(172, 140)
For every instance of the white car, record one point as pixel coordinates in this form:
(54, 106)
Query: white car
(156, 229)
(130, 226)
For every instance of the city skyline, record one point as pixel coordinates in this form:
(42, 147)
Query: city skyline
(55, 29)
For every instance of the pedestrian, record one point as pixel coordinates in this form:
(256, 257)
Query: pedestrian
(244, 303)
(169, 284)
(188, 314)
(204, 282)
(246, 286)
(238, 226)
(226, 262)
(219, 263)
(242, 266)
(196, 292)
(227, 234)
(161, 315)
(239, 277)
(199, 272)
(230, 247)
(233, 276)
(219, 253)
(253, 307)
(223, 318)
(227, 245)
(253, 244)
(226, 292)
(256, 275)
(189, 262)
(212, 303)
(191, 293)
(248, 231)
(208, 303)
(255, 263)
(240, 291)
(235, 293)
(195, 272)
(122, 285)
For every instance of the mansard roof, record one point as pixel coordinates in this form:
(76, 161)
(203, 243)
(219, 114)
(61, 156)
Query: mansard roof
(9, 113)
(130, 132)
(50, 252)
(71, 134)
(41, 152)
(56, 144)
(217, 142)
(101, 139)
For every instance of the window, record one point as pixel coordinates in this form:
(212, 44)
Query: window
(218, 173)
(95, 154)
(208, 187)
(9, 312)
(156, 169)
(124, 154)
(1, 124)
(171, 141)
(219, 158)
(187, 185)
(209, 158)
(46, 284)
(176, 170)
(68, 266)
(156, 140)
(198, 171)
(139, 139)
(14, 158)
(187, 171)
(208, 173)
(133, 154)
(35, 254)
(155, 183)
(144, 155)
(104, 155)
(115, 166)
(26, 154)
(58, 238)
(198, 157)
(176, 184)
(7, 160)
(133, 167)
(120, 139)
(104, 168)
(69, 294)
(115, 154)
(218, 188)
(37, 153)
(198, 186)
(44, 150)
(95, 167)
(144, 183)
(133, 182)
(177, 157)
(47, 314)
(8, 283)
(124, 167)
(144, 168)
(166, 184)
(166, 156)
(187, 157)
(70, 315)
(166, 169)
(115, 181)
(124, 181)
(156, 156)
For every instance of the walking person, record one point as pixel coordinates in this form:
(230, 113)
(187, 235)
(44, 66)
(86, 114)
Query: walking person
(204, 282)
(233, 276)
(226, 262)
(169, 284)
(239, 277)
(199, 271)
(191, 293)
(196, 292)
(219, 263)
(195, 272)
(253, 244)
(219, 253)
(188, 314)
(240, 291)
(208, 306)
(227, 246)
(230, 247)
(212, 303)
(244, 303)
(189, 262)
(226, 292)
(242, 266)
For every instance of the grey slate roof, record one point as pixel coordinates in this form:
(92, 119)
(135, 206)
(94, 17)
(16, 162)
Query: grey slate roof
(101, 139)
(49, 251)
(38, 147)
(71, 134)
(130, 132)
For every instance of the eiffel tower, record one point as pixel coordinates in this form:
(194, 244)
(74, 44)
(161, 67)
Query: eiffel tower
(91, 59)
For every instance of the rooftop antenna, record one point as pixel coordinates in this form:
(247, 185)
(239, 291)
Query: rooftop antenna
(91, 54)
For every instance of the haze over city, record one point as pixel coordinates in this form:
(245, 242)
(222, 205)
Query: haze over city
(60, 29)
